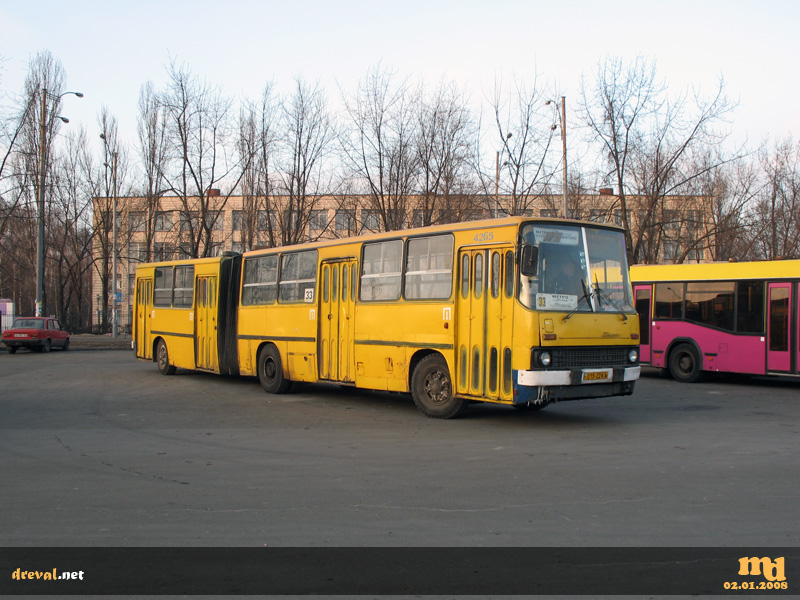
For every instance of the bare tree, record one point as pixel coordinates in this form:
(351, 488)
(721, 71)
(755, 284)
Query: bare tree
(101, 181)
(524, 129)
(152, 139)
(199, 127)
(778, 203)
(71, 235)
(258, 135)
(646, 138)
(728, 189)
(45, 83)
(446, 130)
(306, 142)
(380, 147)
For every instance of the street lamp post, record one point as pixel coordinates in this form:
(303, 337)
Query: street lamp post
(497, 176)
(562, 117)
(42, 171)
(114, 312)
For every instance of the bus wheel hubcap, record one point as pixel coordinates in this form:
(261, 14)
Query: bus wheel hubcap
(437, 387)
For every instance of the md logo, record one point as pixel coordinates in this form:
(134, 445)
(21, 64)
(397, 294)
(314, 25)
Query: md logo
(771, 570)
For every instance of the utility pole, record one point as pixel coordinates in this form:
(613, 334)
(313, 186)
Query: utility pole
(564, 143)
(40, 210)
(114, 311)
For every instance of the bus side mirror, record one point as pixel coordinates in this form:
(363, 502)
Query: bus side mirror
(529, 261)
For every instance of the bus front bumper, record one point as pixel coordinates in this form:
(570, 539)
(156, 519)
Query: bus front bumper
(574, 384)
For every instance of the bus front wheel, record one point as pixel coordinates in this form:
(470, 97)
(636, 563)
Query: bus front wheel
(270, 371)
(162, 357)
(432, 389)
(684, 364)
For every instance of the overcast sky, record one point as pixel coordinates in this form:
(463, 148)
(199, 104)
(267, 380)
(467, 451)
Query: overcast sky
(109, 49)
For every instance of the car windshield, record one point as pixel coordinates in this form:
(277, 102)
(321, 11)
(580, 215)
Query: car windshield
(29, 323)
(582, 269)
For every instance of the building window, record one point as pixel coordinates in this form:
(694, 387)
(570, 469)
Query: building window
(266, 221)
(293, 220)
(137, 252)
(215, 220)
(694, 220)
(190, 221)
(371, 219)
(162, 251)
(237, 220)
(672, 219)
(163, 221)
(318, 220)
(137, 220)
(671, 250)
(345, 221)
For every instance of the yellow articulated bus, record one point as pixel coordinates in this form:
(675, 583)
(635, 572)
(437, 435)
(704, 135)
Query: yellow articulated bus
(513, 311)
(185, 314)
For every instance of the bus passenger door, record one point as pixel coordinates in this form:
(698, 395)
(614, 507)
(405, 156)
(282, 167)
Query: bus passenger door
(779, 326)
(642, 294)
(484, 308)
(206, 323)
(336, 321)
(144, 306)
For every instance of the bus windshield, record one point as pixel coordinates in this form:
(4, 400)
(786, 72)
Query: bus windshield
(580, 269)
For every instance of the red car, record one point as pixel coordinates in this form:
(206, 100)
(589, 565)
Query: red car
(36, 333)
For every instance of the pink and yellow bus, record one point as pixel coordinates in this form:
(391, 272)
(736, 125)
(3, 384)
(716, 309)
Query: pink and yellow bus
(719, 317)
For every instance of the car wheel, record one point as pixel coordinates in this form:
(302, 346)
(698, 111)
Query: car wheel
(12, 349)
(685, 365)
(432, 389)
(270, 371)
(162, 357)
(47, 345)
(66, 345)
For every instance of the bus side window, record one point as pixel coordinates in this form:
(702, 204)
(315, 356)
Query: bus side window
(429, 268)
(465, 276)
(260, 284)
(298, 277)
(669, 301)
(750, 307)
(184, 286)
(509, 275)
(162, 295)
(381, 270)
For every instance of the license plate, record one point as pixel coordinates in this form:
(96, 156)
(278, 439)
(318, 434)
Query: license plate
(596, 376)
(20, 335)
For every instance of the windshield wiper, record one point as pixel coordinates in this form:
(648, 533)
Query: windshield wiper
(604, 295)
(587, 295)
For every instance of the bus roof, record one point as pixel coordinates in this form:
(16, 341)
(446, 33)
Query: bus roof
(434, 229)
(728, 271)
(187, 261)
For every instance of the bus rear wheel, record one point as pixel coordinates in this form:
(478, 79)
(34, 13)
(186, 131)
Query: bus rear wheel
(684, 364)
(270, 371)
(162, 358)
(432, 389)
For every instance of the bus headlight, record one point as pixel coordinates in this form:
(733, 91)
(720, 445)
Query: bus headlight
(633, 356)
(545, 359)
